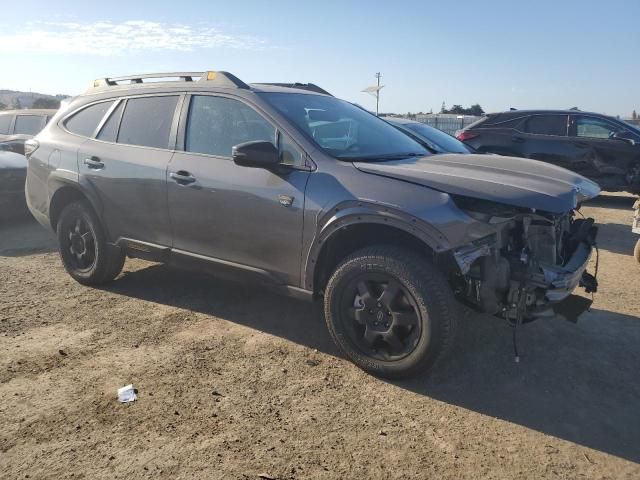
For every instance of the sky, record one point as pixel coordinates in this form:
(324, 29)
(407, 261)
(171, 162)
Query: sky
(500, 54)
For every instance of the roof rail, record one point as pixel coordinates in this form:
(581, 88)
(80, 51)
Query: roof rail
(221, 79)
(312, 87)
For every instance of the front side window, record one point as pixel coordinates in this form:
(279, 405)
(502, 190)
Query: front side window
(147, 121)
(28, 124)
(5, 123)
(87, 120)
(555, 125)
(594, 128)
(342, 129)
(216, 124)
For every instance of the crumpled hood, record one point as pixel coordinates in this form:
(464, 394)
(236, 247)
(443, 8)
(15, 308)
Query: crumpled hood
(513, 181)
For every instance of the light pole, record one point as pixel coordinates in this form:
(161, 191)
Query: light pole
(375, 90)
(378, 75)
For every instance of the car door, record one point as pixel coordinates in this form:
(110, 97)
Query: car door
(250, 217)
(544, 137)
(125, 163)
(610, 159)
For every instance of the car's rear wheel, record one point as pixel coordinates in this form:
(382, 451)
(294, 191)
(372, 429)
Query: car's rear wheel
(390, 311)
(83, 248)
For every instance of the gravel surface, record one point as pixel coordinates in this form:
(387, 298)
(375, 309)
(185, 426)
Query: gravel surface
(234, 382)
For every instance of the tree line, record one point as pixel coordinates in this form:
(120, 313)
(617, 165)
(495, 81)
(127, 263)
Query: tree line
(40, 102)
(475, 110)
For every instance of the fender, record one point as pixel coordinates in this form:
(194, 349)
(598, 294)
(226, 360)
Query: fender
(352, 212)
(61, 178)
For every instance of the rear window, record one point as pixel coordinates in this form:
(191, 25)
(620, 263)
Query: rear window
(87, 120)
(147, 121)
(499, 120)
(28, 124)
(5, 123)
(555, 125)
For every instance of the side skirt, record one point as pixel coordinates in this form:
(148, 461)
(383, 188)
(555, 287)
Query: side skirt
(234, 272)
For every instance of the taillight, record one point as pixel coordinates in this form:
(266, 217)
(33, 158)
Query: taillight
(466, 135)
(30, 146)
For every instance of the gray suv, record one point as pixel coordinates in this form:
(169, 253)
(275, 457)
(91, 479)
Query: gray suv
(314, 197)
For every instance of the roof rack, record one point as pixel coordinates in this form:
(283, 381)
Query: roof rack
(312, 87)
(221, 79)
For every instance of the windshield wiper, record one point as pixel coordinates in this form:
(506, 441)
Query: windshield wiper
(382, 157)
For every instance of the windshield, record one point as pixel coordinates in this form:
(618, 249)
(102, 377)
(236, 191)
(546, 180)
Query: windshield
(440, 141)
(343, 130)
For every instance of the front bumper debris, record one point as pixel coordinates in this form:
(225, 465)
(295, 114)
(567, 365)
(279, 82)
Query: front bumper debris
(560, 281)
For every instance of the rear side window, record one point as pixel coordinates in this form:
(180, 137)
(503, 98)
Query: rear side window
(555, 125)
(109, 132)
(216, 124)
(28, 124)
(5, 123)
(147, 121)
(87, 120)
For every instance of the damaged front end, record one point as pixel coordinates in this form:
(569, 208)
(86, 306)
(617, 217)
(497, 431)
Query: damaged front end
(530, 266)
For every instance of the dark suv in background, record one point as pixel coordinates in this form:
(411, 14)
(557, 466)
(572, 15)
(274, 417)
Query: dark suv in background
(599, 147)
(17, 126)
(311, 196)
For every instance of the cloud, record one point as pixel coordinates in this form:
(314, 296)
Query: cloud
(108, 38)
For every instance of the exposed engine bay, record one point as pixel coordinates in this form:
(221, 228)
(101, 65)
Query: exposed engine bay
(530, 266)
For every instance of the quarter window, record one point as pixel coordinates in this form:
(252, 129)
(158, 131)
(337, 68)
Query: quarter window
(555, 125)
(28, 124)
(147, 121)
(87, 120)
(290, 154)
(216, 124)
(594, 128)
(109, 132)
(5, 123)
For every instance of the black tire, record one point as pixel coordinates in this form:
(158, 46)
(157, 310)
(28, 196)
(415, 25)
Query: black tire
(83, 246)
(423, 299)
(636, 251)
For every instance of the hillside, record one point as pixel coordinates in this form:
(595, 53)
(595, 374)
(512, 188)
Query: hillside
(25, 99)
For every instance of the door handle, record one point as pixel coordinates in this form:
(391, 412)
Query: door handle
(182, 178)
(94, 163)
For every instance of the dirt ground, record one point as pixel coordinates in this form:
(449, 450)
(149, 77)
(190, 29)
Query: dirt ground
(236, 383)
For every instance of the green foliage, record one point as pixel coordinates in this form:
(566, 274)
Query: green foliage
(43, 102)
(3, 106)
(475, 110)
(16, 105)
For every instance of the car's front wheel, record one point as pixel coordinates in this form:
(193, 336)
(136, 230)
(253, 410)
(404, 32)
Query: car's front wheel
(390, 311)
(83, 246)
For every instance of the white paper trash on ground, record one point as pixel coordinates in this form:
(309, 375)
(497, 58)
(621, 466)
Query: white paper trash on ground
(127, 394)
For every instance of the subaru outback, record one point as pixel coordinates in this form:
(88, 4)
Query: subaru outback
(314, 197)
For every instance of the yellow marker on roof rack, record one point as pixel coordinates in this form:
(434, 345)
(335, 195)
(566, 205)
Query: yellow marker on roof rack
(96, 83)
(211, 75)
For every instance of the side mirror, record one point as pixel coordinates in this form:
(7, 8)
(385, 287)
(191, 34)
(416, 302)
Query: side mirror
(624, 136)
(257, 154)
